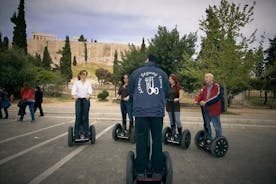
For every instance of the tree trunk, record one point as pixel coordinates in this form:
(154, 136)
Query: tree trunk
(265, 100)
(225, 97)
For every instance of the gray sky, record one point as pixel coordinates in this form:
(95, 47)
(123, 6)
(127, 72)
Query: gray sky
(124, 21)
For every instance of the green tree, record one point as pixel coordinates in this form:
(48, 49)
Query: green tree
(82, 39)
(74, 61)
(47, 60)
(221, 53)
(116, 71)
(65, 61)
(6, 43)
(103, 75)
(131, 60)
(1, 43)
(85, 52)
(143, 46)
(170, 48)
(19, 30)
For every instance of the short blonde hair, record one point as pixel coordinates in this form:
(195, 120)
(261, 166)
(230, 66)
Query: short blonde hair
(210, 75)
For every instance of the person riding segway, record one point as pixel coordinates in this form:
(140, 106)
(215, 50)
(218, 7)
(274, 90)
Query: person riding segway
(210, 100)
(81, 92)
(149, 88)
(120, 131)
(173, 108)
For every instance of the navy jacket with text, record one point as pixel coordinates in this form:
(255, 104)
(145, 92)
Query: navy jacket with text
(149, 87)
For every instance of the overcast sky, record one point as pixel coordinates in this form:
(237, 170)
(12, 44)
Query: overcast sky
(124, 21)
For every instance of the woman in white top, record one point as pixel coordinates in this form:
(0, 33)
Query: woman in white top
(81, 92)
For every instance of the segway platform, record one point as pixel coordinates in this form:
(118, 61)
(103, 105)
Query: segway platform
(131, 175)
(170, 136)
(74, 139)
(119, 133)
(218, 147)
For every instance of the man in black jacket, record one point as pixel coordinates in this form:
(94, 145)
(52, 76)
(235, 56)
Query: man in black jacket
(38, 100)
(149, 87)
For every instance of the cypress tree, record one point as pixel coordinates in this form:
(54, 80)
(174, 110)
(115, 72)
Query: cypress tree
(5, 43)
(74, 61)
(19, 30)
(143, 46)
(46, 61)
(65, 61)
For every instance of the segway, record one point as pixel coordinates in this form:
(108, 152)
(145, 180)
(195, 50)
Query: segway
(131, 174)
(170, 136)
(81, 138)
(218, 146)
(119, 133)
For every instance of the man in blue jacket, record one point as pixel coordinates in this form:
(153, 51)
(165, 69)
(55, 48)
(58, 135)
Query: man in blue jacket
(149, 87)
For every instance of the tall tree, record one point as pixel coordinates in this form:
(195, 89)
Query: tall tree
(1, 43)
(19, 30)
(66, 61)
(74, 61)
(47, 60)
(221, 52)
(116, 72)
(85, 52)
(5, 43)
(169, 48)
(143, 45)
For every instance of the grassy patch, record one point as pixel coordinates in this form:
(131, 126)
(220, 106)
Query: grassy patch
(258, 102)
(61, 98)
(90, 67)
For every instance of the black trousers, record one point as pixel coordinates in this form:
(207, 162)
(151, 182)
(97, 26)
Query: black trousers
(38, 105)
(142, 127)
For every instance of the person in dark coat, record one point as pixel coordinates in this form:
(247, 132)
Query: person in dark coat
(38, 100)
(149, 88)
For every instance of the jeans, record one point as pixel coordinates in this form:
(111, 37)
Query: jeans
(82, 107)
(216, 123)
(142, 127)
(31, 108)
(126, 108)
(177, 119)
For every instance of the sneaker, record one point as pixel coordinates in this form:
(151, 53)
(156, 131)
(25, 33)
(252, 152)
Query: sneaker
(157, 176)
(33, 121)
(208, 141)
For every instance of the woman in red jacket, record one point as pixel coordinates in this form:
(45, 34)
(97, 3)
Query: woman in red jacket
(210, 99)
(28, 99)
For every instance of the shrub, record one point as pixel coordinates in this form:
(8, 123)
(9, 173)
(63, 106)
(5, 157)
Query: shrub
(103, 95)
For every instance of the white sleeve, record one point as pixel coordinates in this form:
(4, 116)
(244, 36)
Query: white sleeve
(74, 89)
(90, 90)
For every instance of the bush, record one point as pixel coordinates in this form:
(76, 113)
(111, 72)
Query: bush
(103, 95)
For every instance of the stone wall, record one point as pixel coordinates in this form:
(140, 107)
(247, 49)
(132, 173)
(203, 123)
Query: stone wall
(102, 53)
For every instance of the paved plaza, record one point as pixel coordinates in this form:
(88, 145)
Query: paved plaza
(38, 152)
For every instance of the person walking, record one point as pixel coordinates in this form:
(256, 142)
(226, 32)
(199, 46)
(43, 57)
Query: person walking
(4, 102)
(149, 87)
(38, 100)
(28, 99)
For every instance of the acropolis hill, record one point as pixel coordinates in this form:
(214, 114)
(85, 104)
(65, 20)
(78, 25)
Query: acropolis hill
(101, 53)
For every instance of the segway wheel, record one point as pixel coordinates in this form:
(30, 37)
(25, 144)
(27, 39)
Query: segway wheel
(130, 168)
(166, 134)
(116, 129)
(132, 135)
(219, 146)
(92, 134)
(186, 139)
(199, 138)
(70, 136)
(168, 175)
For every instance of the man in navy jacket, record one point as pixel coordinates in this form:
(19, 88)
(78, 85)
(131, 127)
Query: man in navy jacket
(149, 87)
